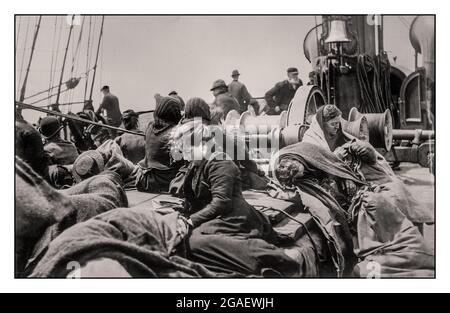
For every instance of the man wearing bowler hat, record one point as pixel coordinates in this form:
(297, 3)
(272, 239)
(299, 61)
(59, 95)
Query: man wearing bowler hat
(224, 102)
(110, 104)
(60, 151)
(279, 97)
(239, 91)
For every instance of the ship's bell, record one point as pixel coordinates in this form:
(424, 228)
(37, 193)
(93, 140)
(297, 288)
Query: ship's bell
(337, 32)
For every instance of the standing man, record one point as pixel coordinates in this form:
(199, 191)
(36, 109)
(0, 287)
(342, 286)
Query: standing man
(110, 104)
(223, 103)
(279, 97)
(175, 95)
(239, 91)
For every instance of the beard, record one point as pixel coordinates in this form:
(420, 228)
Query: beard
(294, 81)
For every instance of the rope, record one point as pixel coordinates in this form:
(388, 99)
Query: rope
(50, 81)
(88, 60)
(57, 55)
(23, 57)
(17, 35)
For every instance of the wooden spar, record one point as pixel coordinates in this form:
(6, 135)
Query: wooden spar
(63, 65)
(143, 112)
(75, 118)
(24, 86)
(96, 60)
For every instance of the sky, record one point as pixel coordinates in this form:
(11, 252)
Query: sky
(144, 55)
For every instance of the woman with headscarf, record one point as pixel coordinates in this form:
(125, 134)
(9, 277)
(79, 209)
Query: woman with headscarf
(197, 108)
(378, 213)
(132, 146)
(326, 131)
(252, 177)
(157, 169)
(228, 234)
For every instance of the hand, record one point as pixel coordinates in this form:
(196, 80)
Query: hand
(364, 150)
(277, 109)
(183, 228)
(341, 152)
(350, 186)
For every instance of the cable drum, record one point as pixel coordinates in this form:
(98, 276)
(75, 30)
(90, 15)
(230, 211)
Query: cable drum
(262, 124)
(358, 128)
(380, 127)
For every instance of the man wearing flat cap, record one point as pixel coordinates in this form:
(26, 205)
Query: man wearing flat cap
(175, 95)
(279, 97)
(239, 91)
(224, 102)
(110, 104)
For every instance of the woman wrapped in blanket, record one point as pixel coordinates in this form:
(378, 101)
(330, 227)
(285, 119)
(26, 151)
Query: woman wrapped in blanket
(227, 234)
(363, 196)
(326, 131)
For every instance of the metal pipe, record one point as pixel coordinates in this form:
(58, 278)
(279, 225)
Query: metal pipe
(411, 134)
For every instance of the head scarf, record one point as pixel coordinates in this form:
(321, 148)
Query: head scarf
(167, 114)
(325, 114)
(130, 119)
(197, 107)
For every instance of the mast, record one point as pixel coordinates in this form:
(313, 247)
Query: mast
(89, 103)
(56, 106)
(24, 86)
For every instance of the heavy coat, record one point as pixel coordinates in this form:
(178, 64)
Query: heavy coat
(281, 95)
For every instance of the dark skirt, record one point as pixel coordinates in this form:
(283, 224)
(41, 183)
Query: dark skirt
(154, 180)
(229, 254)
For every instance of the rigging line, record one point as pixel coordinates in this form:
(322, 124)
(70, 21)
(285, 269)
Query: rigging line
(96, 58)
(17, 36)
(84, 75)
(55, 94)
(404, 22)
(87, 56)
(64, 61)
(77, 50)
(23, 57)
(75, 118)
(24, 85)
(53, 56)
(57, 51)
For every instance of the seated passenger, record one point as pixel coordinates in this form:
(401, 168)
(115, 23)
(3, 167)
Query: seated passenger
(61, 152)
(132, 146)
(228, 234)
(98, 134)
(157, 169)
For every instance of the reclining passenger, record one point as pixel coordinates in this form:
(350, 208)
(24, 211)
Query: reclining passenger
(228, 234)
(125, 242)
(326, 132)
(375, 212)
(42, 212)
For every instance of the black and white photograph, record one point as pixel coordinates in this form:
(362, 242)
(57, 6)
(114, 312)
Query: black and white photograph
(215, 154)
(234, 147)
